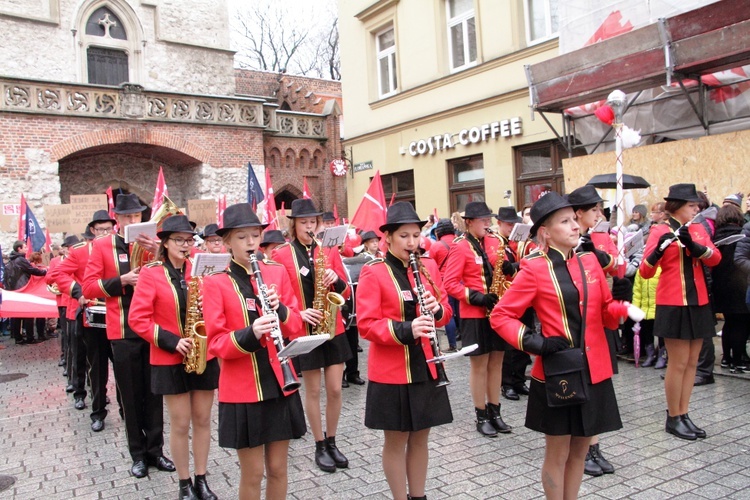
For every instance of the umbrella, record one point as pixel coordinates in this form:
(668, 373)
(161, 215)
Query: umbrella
(609, 181)
(31, 301)
(637, 343)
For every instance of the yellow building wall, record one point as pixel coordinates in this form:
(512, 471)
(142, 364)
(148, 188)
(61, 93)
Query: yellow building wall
(717, 164)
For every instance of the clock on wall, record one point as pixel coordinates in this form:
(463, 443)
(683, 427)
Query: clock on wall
(338, 167)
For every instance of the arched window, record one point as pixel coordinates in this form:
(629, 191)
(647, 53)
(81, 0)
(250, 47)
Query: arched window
(289, 158)
(304, 159)
(109, 43)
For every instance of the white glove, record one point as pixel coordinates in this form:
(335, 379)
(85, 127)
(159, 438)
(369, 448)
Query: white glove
(635, 313)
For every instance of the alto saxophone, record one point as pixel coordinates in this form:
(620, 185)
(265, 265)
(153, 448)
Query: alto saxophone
(499, 283)
(324, 300)
(195, 329)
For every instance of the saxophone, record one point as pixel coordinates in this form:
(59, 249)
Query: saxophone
(324, 300)
(499, 283)
(195, 329)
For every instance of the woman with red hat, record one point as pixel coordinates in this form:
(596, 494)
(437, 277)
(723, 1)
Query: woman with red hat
(158, 314)
(683, 313)
(404, 398)
(258, 412)
(570, 295)
(300, 258)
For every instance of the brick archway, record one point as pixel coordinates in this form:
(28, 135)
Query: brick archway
(104, 137)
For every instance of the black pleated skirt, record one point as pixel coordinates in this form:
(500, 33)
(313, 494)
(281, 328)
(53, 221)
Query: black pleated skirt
(478, 331)
(331, 353)
(173, 379)
(684, 322)
(406, 407)
(599, 414)
(247, 425)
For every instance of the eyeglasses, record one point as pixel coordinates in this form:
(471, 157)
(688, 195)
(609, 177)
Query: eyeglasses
(214, 241)
(101, 229)
(183, 241)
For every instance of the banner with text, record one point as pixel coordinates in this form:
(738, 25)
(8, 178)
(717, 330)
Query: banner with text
(82, 208)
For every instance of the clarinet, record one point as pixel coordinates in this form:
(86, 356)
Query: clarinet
(441, 376)
(290, 383)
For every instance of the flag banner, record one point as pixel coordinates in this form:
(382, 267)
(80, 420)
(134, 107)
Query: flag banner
(371, 212)
(271, 215)
(220, 207)
(336, 214)
(160, 192)
(305, 189)
(22, 220)
(254, 189)
(34, 232)
(110, 203)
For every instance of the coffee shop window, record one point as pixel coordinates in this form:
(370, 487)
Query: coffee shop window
(400, 183)
(538, 169)
(466, 181)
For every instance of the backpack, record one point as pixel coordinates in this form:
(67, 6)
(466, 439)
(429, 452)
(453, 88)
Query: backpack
(10, 276)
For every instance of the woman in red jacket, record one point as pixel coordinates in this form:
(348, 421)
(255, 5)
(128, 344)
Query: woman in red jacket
(683, 312)
(158, 314)
(300, 258)
(550, 280)
(403, 398)
(257, 416)
(468, 276)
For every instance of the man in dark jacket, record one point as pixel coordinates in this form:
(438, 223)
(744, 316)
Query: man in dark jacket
(17, 274)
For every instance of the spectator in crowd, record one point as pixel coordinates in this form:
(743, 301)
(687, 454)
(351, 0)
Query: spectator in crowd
(639, 217)
(657, 213)
(742, 261)
(18, 271)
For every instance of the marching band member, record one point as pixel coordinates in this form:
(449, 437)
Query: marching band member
(300, 258)
(257, 417)
(567, 291)
(212, 242)
(514, 361)
(371, 245)
(403, 398)
(468, 277)
(271, 239)
(159, 314)
(97, 349)
(61, 299)
(109, 276)
(683, 312)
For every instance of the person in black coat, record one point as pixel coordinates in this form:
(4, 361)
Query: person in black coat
(18, 271)
(730, 284)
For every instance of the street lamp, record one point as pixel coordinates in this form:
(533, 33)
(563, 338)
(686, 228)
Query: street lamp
(617, 101)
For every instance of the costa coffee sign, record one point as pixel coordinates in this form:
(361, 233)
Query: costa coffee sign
(473, 135)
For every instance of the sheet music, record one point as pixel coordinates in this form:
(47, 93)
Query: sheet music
(334, 236)
(729, 240)
(207, 263)
(601, 227)
(302, 345)
(520, 232)
(133, 230)
(633, 243)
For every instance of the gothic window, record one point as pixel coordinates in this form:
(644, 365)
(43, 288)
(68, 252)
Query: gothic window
(304, 159)
(110, 39)
(289, 158)
(317, 159)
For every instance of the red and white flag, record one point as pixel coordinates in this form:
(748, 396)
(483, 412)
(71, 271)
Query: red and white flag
(47, 242)
(371, 212)
(110, 203)
(271, 216)
(22, 220)
(336, 214)
(160, 192)
(305, 189)
(220, 207)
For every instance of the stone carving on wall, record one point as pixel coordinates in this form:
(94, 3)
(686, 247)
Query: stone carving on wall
(133, 102)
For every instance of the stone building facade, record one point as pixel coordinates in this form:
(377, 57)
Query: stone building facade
(101, 93)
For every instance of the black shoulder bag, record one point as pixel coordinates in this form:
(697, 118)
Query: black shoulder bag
(565, 381)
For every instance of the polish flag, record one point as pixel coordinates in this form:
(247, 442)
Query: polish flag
(336, 214)
(110, 203)
(393, 198)
(305, 189)
(371, 212)
(47, 242)
(160, 192)
(22, 220)
(220, 207)
(271, 216)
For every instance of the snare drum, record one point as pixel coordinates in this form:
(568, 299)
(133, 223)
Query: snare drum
(95, 317)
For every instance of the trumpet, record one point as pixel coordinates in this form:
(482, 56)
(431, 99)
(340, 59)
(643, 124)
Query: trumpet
(290, 383)
(439, 367)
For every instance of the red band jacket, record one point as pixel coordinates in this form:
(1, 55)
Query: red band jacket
(553, 286)
(51, 279)
(385, 310)
(250, 370)
(439, 251)
(110, 259)
(466, 271)
(682, 282)
(295, 260)
(156, 312)
(603, 242)
(69, 275)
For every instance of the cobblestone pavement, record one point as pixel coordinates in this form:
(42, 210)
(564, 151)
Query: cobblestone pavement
(50, 450)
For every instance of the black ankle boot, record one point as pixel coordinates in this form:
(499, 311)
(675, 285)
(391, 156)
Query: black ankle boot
(677, 427)
(493, 414)
(202, 490)
(602, 462)
(338, 458)
(323, 459)
(186, 490)
(696, 430)
(484, 427)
